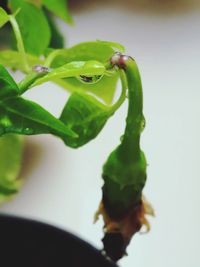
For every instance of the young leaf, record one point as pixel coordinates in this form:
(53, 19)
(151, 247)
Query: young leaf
(3, 17)
(73, 69)
(21, 116)
(59, 8)
(11, 152)
(33, 25)
(97, 50)
(104, 88)
(86, 116)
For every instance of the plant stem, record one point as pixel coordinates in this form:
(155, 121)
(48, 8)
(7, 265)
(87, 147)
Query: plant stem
(29, 80)
(124, 172)
(129, 149)
(51, 57)
(20, 44)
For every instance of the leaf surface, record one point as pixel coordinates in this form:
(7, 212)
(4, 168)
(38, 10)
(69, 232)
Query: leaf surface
(33, 26)
(21, 116)
(59, 8)
(86, 116)
(72, 69)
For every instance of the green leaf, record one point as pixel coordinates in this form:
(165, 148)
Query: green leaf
(33, 25)
(38, 3)
(104, 89)
(3, 17)
(11, 153)
(59, 8)
(8, 87)
(73, 69)
(21, 116)
(12, 59)
(97, 50)
(86, 116)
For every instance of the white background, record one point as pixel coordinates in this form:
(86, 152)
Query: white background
(63, 185)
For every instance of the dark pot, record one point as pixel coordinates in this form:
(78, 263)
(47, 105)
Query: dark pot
(28, 243)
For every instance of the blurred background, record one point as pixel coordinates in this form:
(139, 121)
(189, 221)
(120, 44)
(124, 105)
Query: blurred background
(63, 185)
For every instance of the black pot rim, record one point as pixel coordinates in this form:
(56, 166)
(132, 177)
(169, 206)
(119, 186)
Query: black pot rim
(11, 221)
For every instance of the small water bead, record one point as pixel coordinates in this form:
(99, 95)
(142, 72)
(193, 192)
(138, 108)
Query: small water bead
(143, 124)
(122, 138)
(90, 79)
(28, 131)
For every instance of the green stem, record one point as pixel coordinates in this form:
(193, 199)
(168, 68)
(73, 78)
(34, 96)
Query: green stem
(20, 44)
(129, 149)
(51, 57)
(124, 172)
(27, 82)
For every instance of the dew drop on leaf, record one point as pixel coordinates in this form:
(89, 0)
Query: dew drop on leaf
(143, 123)
(90, 79)
(121, 138)
(28, 131)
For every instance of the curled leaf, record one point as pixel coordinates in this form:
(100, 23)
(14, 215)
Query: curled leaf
(86, 116)
(73, 69)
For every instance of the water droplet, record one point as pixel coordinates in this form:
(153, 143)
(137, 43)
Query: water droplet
(85, 131)
(121, 138)
(143, 123)
(90, 79)
(28, 131)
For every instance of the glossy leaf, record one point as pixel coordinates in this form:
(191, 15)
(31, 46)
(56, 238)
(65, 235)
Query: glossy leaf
(86, 116)
(104, 89)
(33, 26)
(97, 50)
(21, 116)
(74, 69)
(11, 152)
(59, 8)
(3, 17)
